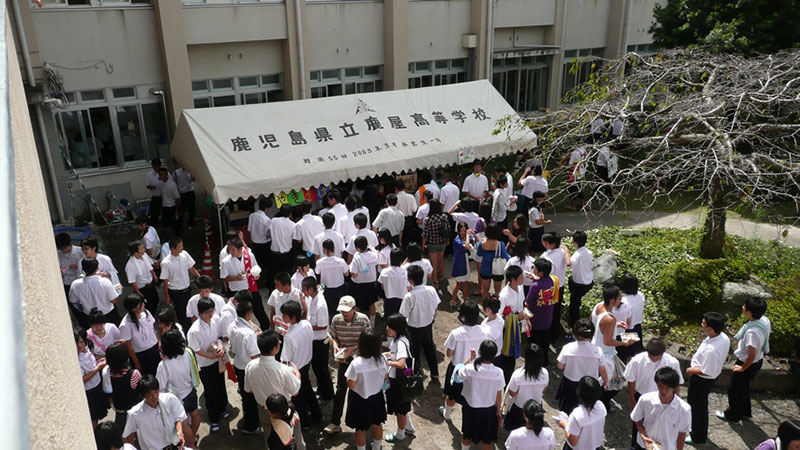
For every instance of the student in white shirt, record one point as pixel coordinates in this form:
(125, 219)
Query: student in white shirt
(360, 222)
(101, 333)
(458, 345)
(606, 331)
(105, 267)
(428, 184)
(138, 332)
(394, 280)
(170, 201)
(241, 271)
(185, 182)
(392, 219)
(283, 292)
(527, 383)
(154, 186)
(424, 208)
(90, 371)
(662, 416)
(476, 185)
(578, 359)
(501, 203)
(384, 248)
(531, 184)
(307, 228)
(584, 426)
(449, 192)
(320, 349)
(147, 418)
(175, 271)
(177, 374)
(150, 239)
(366, 407)
(298, 348)
(419, 308)
(204, 339)
(534, 435)
(558, 255)
(407, 205)
(483, 397)
(281, 230)
(363, 271)
(577, 162)
(258, 227)
(469, 216)
(752, 344)
(334, 199)
(536, 222)
(167, 320)
(414, 258)
(141, 275)
(94, 291)
(243, 349)
(302, 271)
(329, 221)
(108, 436)
(634, 298)
(69, 257)
(399, 358)
(582, 278)
(493, 324)
(332, 271)
(705, 367)
(522, 259)
(205, 285)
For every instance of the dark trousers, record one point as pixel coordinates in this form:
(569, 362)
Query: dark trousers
(261, 253)
(188, 205)
(249, 404)
(215, 393)
(542, 339)
(411, 231)
(179, 299)
(506, 363)
(576, 293)
(739, 392)
(699, 388)
(169, 219)
(151, 299)
(112, 317)
(154, 210)
(391, 306)
(332, 296)
(282, 262)
(555, 327)
(305, 401)
(341, 393)
(423, 337)
(259, 312)
(320, 349)
(634, 431)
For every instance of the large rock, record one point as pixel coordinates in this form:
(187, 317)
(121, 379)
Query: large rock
(605, 268)
(734, 294)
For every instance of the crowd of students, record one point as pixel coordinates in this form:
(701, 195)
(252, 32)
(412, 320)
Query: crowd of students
(329, 275)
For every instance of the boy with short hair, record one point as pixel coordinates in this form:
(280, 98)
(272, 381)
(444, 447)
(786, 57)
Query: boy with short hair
(150, 239)
(243, 349)
(512, 303)
(493, 324)
(320, 347)
(329, 221)
(297, 348)
(558, 255)
(361, 229)
(175, 270)
(241, 271)
(307, 228)
(332, 271)
(363, 270)
(703, 371)
(394, 280)
(662, 416)
(582, 278)
(204, 287)
(69, 257)
(283, 292)
(141, 275)
(105, 267)
(419, 308)
(93, 291)
(204, 338)
(159, 421)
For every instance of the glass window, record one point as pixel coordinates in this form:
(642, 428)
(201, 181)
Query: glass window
(275, 95)
(155, 130)
(130, 133)
(225, 100)
(222, 83)
(75, 140)
(103, 136)
(457, 63)
(92, 96)
(249, 99)
(352, 72)
(199, 86)
(423, 66)
(248, 81)
(372, 70)
(127, 92)
(334, 90)
(411, 67)
(315, 75)
(350, 88)
(570, 54)
(317, 92)
(271, 79)
(441, 64)
(330, 74)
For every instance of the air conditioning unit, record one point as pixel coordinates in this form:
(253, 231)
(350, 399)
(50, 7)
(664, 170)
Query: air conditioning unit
(469, 40)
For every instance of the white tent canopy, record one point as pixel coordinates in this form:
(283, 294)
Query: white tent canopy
(243, 151)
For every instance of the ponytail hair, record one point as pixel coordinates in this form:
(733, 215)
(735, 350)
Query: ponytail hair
(486, 353)
(534, 361)
(534, 414)
(277, 403)
(131, 302)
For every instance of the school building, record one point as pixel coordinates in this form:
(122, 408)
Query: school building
(106, 80)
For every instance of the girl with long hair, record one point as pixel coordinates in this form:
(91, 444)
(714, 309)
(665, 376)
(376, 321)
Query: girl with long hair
(527, 383)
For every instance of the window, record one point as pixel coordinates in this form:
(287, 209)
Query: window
(237, 91)
(436, 73)
(643, 49)
(57, 3)
(522, 81)
(349, 80)
(579, 65)
(99, 134)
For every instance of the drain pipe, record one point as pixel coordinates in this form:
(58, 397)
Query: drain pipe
(489, 38)
(300, 52)
(23, 42)
(623, 45)
(51, 171)
(166, 115)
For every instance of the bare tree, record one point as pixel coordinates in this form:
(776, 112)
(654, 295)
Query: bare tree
(720, 129)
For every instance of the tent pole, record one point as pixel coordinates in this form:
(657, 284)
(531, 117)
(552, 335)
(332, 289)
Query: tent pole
(219, 223)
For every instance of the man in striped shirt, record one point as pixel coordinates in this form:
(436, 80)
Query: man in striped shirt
(345, 329)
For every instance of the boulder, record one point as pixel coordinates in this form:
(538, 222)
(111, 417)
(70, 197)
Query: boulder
(605, 268)
(735, 293)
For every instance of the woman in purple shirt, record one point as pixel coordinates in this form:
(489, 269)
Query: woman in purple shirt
(541, 299)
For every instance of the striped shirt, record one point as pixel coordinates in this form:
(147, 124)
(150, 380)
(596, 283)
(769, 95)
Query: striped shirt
(347, 334)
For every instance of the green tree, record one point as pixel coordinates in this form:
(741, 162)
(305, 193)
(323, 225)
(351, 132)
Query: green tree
(735, 26)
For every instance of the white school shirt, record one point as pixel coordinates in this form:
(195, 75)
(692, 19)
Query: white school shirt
(65, 260)
(636, 302)
(184, 180)
(752, 338)
(469, 218)
(534, 214)
(306, 229)
(105, 265)
(662, 423)
(641, 369)
(395, 281)
(227, 316)
(419, 306)
(368, 375)
(165, 251)
(427, 268)
(93, 291)
(281, 230)
(333, 235)
(278, 298)
(148, 423)
(528, 388)
(524, 439)
(448, 195)
(258, 227)
(297, 344)
(152, 179)
(297, 278)
(331, 270)
(621, 312)
(582, 262)
(514, 299)
(191, 305)
(500, 204)
(174, 375)
(422, 212)
(577, 157)
(201, 337)
(711, 355)
(433, 187)
(509, 189)
(340, 213)
(232, 266)
(399, 349)
(112, 334)
(169, 193)
(175, 269)
(139, 270)
(494, 329)
(318, 316)
(372, 240)
(581, 358)
(348, 228)
(533, 183)
(243, 347)
(150, 240)
(558, 259)
(475, 185)
(364, 265)
(87, 363)
(385, 255)
(406, 203)
(365, 211)
(588, 426)
(143, 337)
(464, 339)
(481, 386)
(603, 155)
(525, 264)
(391, 219)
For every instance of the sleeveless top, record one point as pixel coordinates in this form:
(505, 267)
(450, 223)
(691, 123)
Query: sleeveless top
(123, 396)
(598, 338)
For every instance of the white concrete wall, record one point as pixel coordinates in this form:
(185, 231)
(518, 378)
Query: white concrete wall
(435, 29)
(510, 37)
(234, 59)
(343, 35)
(587, 24)
(524, 13)
(213, 24)
(641, 20)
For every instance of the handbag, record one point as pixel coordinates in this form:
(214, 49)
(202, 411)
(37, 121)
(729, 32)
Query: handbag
(409, 386)
(498, 263)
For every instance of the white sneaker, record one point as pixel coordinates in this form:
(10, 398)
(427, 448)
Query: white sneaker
(410, 429)
(446, 416)
(332, 429)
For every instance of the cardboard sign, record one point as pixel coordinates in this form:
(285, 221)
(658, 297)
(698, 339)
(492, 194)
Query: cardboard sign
(410, 181)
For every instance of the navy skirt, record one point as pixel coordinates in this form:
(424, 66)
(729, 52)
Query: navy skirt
(365, 294)
(98, 402)
(567, 395)
(392, 406)
(514, 418)
(391, 306)
(453, 390)
(363, 413)
(148, 360)
(479, 425)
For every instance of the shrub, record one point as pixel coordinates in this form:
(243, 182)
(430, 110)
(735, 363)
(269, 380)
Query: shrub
(695, 286)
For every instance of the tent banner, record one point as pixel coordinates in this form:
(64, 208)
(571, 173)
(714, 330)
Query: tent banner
(249, 150)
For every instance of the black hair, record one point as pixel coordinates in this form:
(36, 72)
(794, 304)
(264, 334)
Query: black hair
(203, 305)
(243, 296)
(486, 353)
(309, 283)
(494, 231)
(436, 207)
(350, 203)
(172, 344)
(398, 323)
(537, 170)
(361, 243)
(756, 305)
(267, 341)
(204, 282)
(629, 284)
(513, 272)
(534, 361)
(399, 185)
(90, 242)
(292, 309)
(63, 240)
(583, 328)
(414, 252)
(327, 244)
(386, 235)
(117, 357)
(133, 247)
(369, 346)
(174, 242)
(397, 256)
(130, 302)
(285, 210)
(155, 162)
(537, 195)
(788, 431)
(283, 278)
(236, 242)
(141, 220)
(580, 238)
(610, 292)
(589, 392)
(655, 347)
(277, 403)
(360, 219)
(80, 332)
(469, 314)
(502, 181)
(305, 207)
(243, 308)
(459, 226)
(167, 315)
(264, 203)
(520, 249)
(534, 414)
(96, 317)
(163, 169)
(543, 265)
(89, 265)
(427, 194)
(391, 199)
(108, 436)
(715, 320)
(328, 219)
(551, 237)
(415, 274)
(333, 194)
(146, 384)
(477, 162)
(492, 302)
(467, 204)
(667, 376)
(301, 261)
